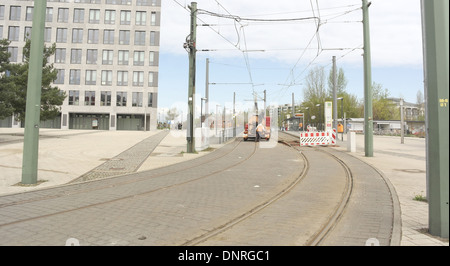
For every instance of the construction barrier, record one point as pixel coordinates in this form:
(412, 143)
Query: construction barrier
(318, 138)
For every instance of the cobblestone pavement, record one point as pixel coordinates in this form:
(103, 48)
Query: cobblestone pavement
(127, 162)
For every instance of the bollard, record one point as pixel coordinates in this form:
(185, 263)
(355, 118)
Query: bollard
(351, 141)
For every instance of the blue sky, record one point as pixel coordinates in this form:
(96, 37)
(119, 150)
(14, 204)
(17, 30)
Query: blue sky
(290, 49)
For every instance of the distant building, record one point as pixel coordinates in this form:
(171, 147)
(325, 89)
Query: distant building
(107, 59)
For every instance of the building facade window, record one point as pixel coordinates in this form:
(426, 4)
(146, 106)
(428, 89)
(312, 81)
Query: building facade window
(61, 35)
(60, 76)
(48, 35)
(60, 55)
(125, 17)
(75, 56)
(152, 99)
(123, 58)
(14, 13)
(122, 78)
(91, 77)
(94, 16)
(110, 17)
(77, 35)
(75, 77)
(78, 15)
(74, 97)
(121, 98)
(93, 36)
(141, 18)
(29, 14)
(124, 37)
(108, 37)
(106, 77)
(108, 57)
(138, 78)
(139, 38)
(63, 15)
(139, 58)
(89, 98)
(91, 56)
(137, 99)
(105, 99)
(14, 53)
(49, 14)
(13, 33)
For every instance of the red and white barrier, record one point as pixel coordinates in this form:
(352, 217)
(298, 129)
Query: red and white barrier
(318, 138)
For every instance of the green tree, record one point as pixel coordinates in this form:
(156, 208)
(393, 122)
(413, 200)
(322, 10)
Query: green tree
(383, 108)
(15, 80)
(6, 95)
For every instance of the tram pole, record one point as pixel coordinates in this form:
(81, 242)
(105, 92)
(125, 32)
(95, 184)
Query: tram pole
(34, 87)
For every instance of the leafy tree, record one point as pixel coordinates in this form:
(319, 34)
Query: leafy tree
(6, 96)
(14, 80)
(383, 108)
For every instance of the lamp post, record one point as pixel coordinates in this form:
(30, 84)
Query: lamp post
(201, 111)
(320, 113)
(342, 115)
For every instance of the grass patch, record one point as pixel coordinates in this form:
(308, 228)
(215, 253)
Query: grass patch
(420, 197)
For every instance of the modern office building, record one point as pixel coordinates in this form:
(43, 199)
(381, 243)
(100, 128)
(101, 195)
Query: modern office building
(107, 57)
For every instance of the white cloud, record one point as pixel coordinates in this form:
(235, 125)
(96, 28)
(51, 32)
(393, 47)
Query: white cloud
(395, 29)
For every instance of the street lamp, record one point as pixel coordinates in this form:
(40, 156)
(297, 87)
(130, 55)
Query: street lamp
(201, 112)
(342, 114)
(320, 112)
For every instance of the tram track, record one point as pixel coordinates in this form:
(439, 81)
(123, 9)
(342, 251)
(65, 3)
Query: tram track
(126, 182)
(321, 234)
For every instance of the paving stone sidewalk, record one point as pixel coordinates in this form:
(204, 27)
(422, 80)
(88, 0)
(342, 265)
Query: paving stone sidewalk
(127, 162)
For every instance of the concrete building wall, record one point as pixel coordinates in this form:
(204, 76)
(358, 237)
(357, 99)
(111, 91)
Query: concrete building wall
(103, 46)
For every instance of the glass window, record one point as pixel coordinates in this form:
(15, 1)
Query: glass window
(123, 58)
(89, 98)
(91, 77)
(141, 18)
(77, 35)
(75, 76)
(152, 98)
(61, 35)
(108, 37)
(49, 14)
(29, 15)
(121, 98)
(27, 33)
(153, 79)
(138, 78)
(75, 56)
(93, 36)
(47, 34)
(60, 55)
(108, 56)
(124, 37)
(60, 77)
(125, 17)
(14, 13)
(107, 77)
(2, 12)
(122, 78)
(105, 99)
(139, 58)
(13, 33)
(110, 16)
(139, 38)
(63, 14)
(13, 51)
(74, 97)
(78, 15)
(137, 99)
(91, 57)
(94, 16)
